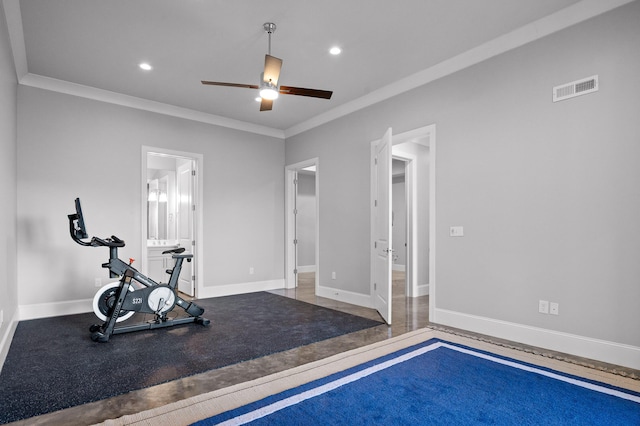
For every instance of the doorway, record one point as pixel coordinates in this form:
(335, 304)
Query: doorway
(401, 228)
(301, 210)
(171, 211)
(411, 153)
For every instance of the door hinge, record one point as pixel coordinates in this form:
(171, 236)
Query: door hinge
(375, 203)
(193, 242)
(375, 286)
(193, 172)
(295, 181)
(295, 211)
(193, 277)
(295, 241)
(295, 271)
(375, 244)
(193, 207)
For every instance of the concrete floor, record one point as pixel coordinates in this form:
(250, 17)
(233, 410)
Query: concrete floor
(408, 314)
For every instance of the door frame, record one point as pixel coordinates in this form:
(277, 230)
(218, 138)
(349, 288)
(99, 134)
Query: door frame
(290, 248)
(197, 197)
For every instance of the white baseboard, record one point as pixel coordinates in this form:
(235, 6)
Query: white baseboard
(596, 349)
(240, 288)
(423, 290)
(307, 268)
(340, 295)
(6, 338)
(43, 310)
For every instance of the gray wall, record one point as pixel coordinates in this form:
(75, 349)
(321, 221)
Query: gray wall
(547, 192)
(8, 140)
(73, 147)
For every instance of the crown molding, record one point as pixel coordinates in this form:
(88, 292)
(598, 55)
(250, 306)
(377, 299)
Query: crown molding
(543, 27)
(560, 20)
(74, 89)
(13, 16)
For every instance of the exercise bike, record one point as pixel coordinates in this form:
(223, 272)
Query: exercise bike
(118, 301)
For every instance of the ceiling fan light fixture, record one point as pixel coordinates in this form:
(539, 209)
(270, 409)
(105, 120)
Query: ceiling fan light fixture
(268, 90)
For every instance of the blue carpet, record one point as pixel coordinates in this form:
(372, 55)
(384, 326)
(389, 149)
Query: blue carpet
(439, 383)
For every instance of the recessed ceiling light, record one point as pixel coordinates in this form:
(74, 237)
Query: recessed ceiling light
(335, 50)
(145, 66)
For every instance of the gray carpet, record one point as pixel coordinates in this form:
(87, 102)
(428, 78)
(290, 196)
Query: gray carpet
(53, 364)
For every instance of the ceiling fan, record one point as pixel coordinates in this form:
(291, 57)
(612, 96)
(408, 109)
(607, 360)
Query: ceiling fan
(269, 88)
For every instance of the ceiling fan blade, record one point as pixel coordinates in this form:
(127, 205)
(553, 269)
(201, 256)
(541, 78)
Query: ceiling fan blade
(272, 66)
(301, 91)
(266, 105)
(217, 83)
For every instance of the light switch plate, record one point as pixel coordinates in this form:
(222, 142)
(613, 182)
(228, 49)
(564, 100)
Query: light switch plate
(456, 231)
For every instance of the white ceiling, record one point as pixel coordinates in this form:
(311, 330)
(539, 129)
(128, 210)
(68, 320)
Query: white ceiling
(78, 46)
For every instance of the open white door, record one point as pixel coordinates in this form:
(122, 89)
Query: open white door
(186, 211)
(382, 245)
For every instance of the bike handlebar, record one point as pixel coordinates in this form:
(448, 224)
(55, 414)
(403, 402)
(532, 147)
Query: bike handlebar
(78, 232)
(107, 242)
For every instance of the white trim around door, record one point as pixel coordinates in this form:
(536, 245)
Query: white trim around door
(291, 172)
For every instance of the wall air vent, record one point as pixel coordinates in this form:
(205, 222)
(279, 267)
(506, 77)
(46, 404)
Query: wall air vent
(575, 88)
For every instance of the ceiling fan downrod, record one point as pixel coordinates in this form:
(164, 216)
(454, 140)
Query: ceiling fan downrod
(270, 28)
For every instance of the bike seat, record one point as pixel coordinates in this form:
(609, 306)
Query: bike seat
(175, 250)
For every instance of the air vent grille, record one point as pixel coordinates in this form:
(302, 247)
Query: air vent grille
(575, 88)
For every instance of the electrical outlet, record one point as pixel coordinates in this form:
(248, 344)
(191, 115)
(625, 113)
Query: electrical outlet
(554, 308)
(98, 282)
(333, 275)
(543, 306)
(251, 270)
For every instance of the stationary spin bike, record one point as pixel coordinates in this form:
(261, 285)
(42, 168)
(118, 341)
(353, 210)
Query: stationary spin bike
(119, 300)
